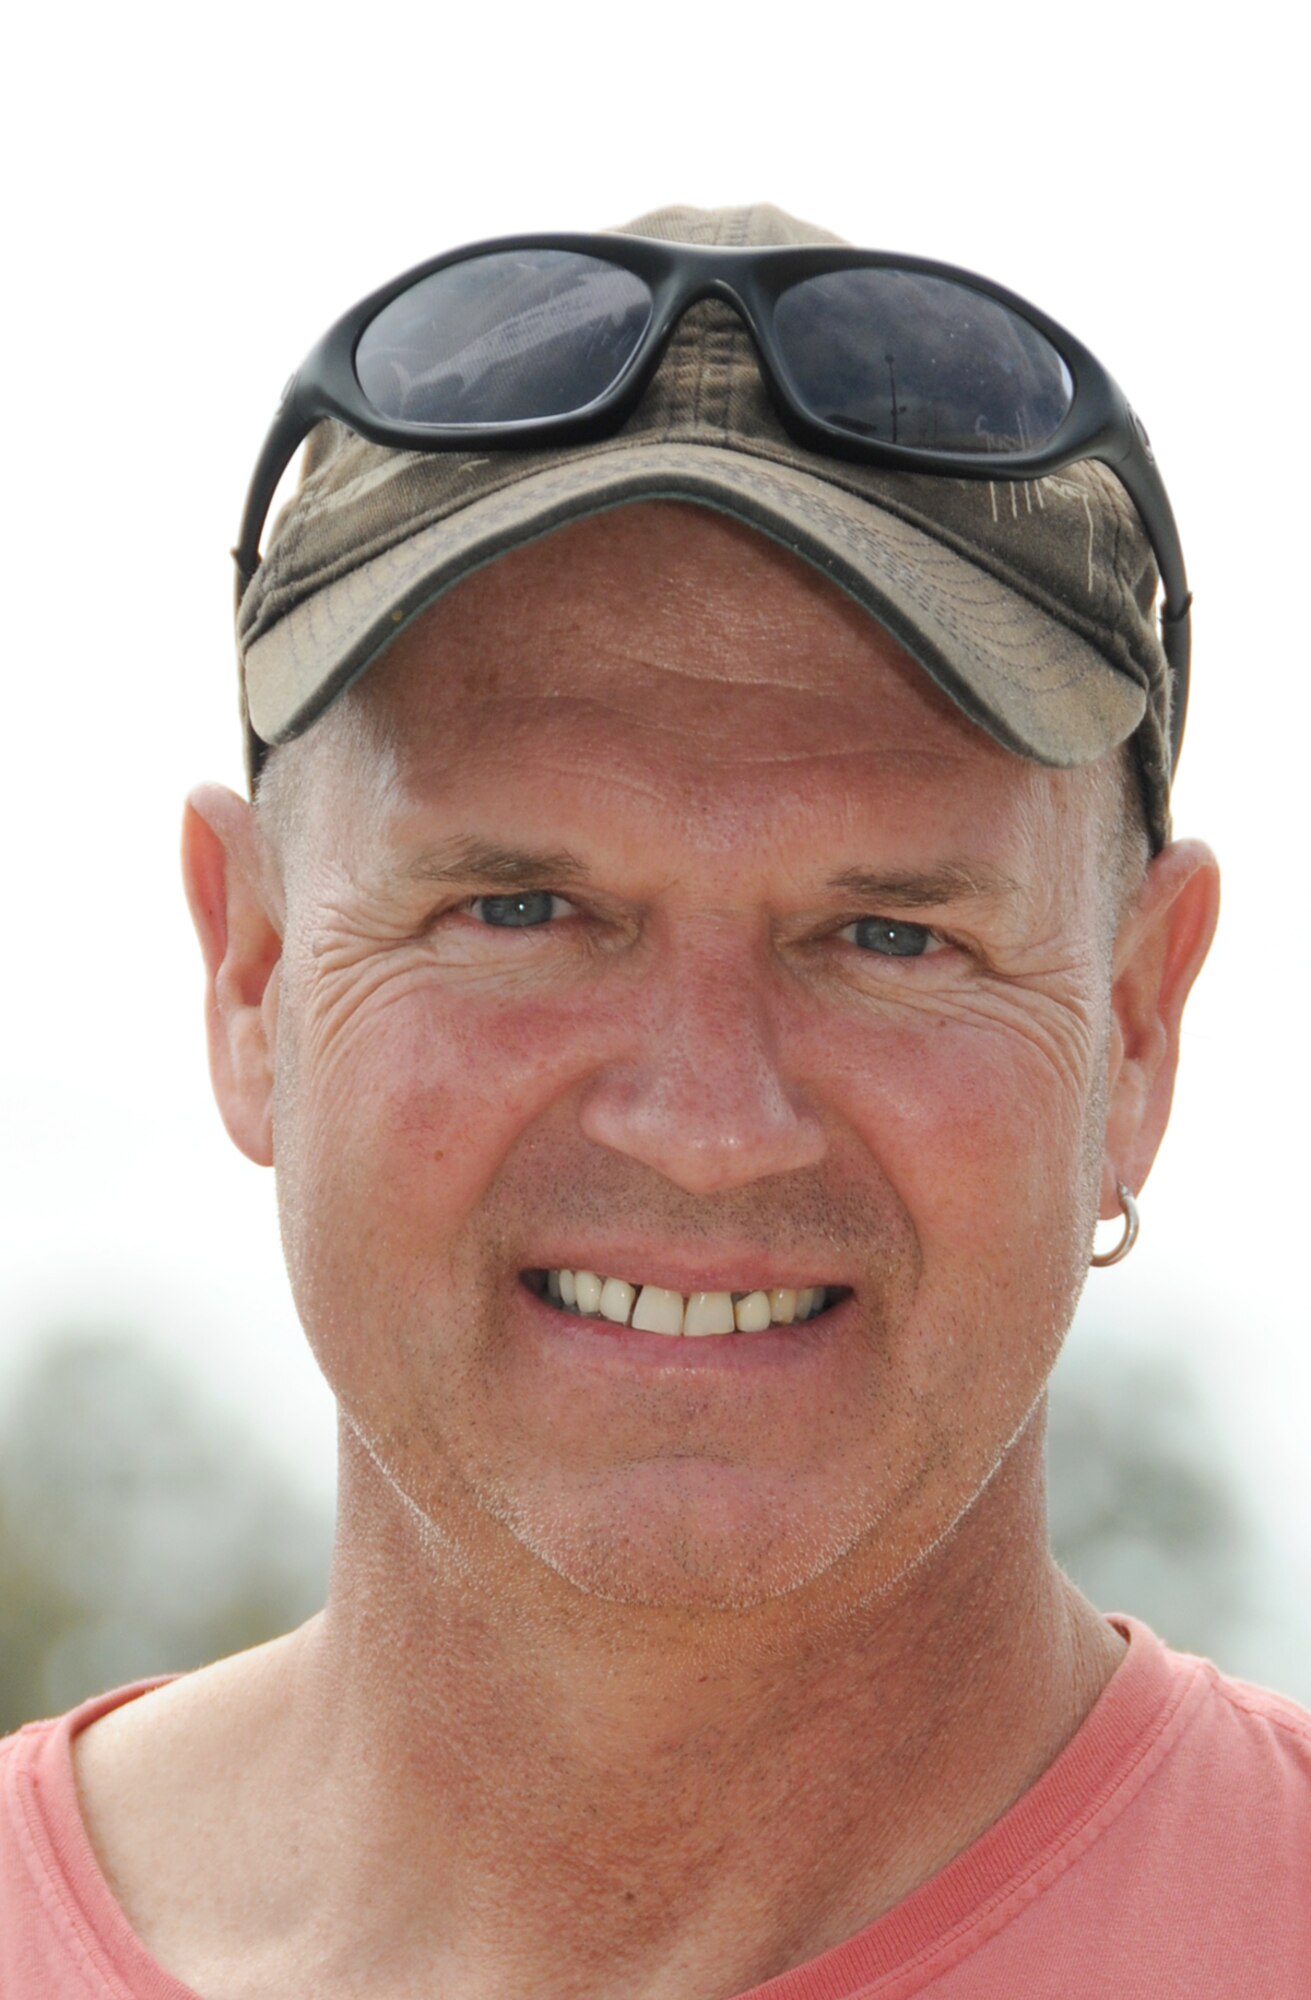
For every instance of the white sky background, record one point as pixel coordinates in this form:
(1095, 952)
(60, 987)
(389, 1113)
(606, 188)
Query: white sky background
(194, 194)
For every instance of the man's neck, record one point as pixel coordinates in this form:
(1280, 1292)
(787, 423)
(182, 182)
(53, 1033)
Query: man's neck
(443, 1785)
(596, 1802)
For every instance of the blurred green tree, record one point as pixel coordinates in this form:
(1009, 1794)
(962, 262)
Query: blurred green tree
(1145, 1505)
(141, 1530)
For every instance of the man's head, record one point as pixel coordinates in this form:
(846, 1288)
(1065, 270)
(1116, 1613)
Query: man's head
(818, 985)
(706, 865)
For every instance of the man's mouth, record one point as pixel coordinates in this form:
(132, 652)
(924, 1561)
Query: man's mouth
(655, 1309)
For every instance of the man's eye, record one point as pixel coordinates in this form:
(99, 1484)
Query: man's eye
(524, 911)
(890, 939)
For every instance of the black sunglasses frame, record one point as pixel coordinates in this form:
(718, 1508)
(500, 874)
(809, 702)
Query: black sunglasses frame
(1099, 423)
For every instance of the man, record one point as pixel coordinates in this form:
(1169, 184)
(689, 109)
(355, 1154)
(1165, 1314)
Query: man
(706, 948)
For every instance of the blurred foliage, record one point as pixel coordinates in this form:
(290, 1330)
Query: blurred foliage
(1146, 1511)
(142, 1532)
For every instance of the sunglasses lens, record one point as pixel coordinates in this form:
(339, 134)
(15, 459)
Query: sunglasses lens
(503, 339)
(916, 360)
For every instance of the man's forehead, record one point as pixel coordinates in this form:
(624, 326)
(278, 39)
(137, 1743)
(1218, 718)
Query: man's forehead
(667, 617)
(914, 838)
(665, 663)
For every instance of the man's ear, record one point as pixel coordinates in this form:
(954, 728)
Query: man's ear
(242, 946)
(1160, 950)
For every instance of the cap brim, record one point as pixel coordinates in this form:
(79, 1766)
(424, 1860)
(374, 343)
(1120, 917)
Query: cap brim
(1031, 682)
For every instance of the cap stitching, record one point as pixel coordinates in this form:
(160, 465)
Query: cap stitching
(741, 355)
(721, 354)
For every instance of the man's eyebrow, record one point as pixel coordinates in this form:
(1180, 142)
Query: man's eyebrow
(950, 882)
(468, 857)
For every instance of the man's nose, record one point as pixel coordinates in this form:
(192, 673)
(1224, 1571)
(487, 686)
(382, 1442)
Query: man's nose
(697, 1087)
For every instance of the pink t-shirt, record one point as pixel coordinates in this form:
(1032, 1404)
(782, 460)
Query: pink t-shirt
(1166, 1853)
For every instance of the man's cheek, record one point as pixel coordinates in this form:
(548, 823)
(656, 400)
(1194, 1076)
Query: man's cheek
(412, 1108)
(976, 1126)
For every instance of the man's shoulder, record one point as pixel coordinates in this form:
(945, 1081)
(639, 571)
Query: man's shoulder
(1221, 1776)
(1264, 1706)
(31, 1753)
(104, 1811)
(53, 1900)
(1211, 1728)
(1255, 1743)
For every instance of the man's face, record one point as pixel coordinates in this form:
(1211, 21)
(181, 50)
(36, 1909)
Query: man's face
(712, 1059)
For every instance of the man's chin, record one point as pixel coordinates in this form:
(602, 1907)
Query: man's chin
(685, 1534)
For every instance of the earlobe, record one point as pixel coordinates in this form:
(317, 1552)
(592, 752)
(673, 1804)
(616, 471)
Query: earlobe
(241, 946)
(1161, 948)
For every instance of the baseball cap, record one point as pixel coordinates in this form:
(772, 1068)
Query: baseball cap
(1030, 603)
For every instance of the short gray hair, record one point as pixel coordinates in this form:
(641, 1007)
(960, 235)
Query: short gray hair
(353, 733)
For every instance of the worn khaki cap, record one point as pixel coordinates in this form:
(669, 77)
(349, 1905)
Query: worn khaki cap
(1031, 603)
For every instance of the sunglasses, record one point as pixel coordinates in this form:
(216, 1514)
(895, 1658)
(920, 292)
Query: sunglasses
(549, 340)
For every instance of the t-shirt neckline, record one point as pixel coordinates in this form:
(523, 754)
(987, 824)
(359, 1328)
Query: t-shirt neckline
(1130, 1729)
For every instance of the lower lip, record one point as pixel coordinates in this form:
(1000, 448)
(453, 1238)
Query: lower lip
(605, 1343)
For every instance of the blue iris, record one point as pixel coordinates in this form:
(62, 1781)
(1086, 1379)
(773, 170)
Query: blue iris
(516, 912)
(891, 940)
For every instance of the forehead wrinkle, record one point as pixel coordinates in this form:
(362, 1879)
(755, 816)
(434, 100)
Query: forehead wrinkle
(881, 773)
(629, 700)
(560, 715)
(833, 666)
(446, 795)
(570, 667)
(686, 793)
(702, 675)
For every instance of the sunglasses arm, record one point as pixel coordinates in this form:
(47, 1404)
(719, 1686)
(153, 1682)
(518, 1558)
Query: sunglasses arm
(1176, 636)
(286, 434)
(1138, 473)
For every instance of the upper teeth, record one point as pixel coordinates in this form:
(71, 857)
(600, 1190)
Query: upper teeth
(653, 1309)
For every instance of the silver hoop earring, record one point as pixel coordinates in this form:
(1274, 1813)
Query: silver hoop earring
(1130, 1236)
